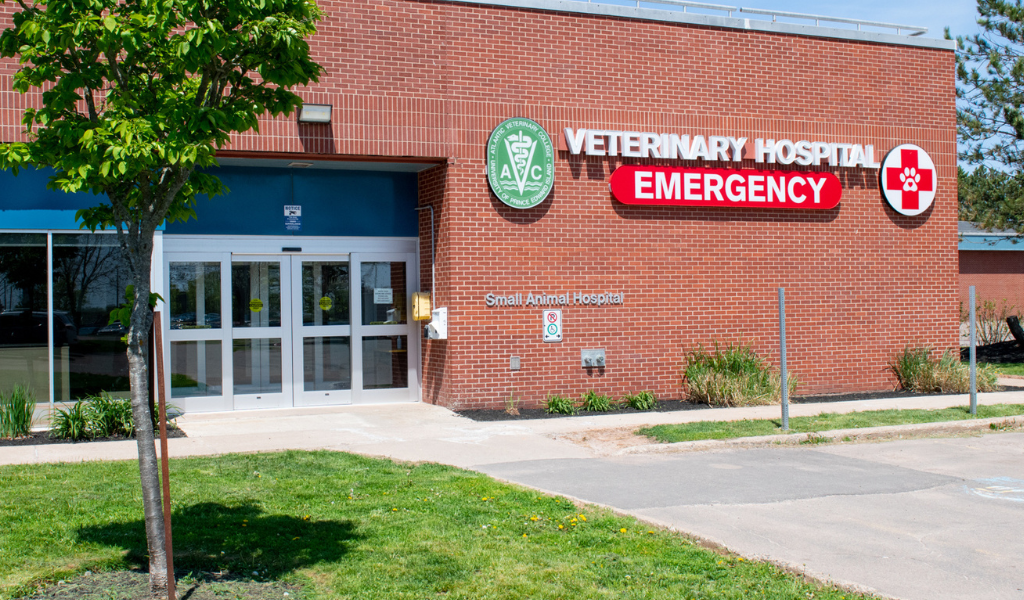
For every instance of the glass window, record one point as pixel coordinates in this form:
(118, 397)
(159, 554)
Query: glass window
(89, 281)
(383, 292)
(194, 296)
(195, 369)
(385, 362)
(257, 366)
(326, 364)
(325, 293)
(24, 335)
(256, 294)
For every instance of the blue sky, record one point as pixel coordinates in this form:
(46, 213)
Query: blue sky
(958, 15)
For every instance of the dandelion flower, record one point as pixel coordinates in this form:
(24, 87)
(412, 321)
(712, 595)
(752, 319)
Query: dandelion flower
(305, 518)
(560, 526)
(394, 510)
(533, 518)
(583, 518)
(623, 530)
(524, 535)
(484, 498)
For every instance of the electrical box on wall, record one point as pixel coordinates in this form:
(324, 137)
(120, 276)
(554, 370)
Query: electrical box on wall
(437, 328)
(420, 306)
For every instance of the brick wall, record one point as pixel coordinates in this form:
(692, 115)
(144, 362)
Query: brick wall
(996, 275)
(424, 78)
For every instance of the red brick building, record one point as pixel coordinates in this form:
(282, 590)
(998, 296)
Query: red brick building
(993, 262)
(418, 86)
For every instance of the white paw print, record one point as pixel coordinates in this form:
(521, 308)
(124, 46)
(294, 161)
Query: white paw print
(910, 178)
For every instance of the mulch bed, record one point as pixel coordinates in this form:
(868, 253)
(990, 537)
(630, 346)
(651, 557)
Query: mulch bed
(133, 585)
(1003, 352)
(678, 405)
(37, 438)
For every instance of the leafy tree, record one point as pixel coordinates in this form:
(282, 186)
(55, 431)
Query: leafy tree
(136, 95)
(990, 94)
(990, 117)
(991, 198)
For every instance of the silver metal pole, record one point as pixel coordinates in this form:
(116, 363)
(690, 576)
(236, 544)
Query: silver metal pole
(974, 365)
(782, 358)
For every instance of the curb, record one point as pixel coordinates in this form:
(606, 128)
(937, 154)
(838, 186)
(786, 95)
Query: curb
(833, 435)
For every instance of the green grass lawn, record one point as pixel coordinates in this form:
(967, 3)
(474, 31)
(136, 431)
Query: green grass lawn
(717, 430)
(345, 526)
(1008, 368)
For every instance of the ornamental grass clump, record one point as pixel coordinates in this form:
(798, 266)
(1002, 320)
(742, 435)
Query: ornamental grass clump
(71, 423)
(916, 371)
(16, 410)
(732, 376)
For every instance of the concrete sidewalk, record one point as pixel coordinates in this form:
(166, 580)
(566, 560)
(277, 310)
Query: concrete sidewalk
(421, 432)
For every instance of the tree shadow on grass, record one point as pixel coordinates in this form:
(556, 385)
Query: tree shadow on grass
(241, 539)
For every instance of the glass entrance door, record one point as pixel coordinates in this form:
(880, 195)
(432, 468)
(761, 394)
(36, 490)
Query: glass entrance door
(321, 331)
(261, 346)
(250, 331)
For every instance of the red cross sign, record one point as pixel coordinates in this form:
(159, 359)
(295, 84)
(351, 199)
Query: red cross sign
(908, 180)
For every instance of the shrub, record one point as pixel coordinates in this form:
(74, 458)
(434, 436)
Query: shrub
(16, 412)
(97, 417)
(109, 416)
(991, 324)
(916, 371)
(71, 424)
(595, 402)
(640, 400)
(733, 376)
(560, 405)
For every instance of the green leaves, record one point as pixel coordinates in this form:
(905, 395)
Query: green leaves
(990, 94)
(138, 95)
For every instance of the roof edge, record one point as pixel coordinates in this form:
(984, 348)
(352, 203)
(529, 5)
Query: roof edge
(763, 26)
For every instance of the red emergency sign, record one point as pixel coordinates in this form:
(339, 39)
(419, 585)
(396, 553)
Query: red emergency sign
(749, 188)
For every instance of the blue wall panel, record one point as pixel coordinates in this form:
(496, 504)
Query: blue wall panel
(334, 203)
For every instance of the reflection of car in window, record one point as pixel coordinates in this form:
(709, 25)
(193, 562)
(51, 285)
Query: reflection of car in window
(28, 328)
(188, 321)
(113, 329)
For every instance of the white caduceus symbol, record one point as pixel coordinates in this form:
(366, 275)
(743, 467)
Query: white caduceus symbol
(520, 149)
(910, 178)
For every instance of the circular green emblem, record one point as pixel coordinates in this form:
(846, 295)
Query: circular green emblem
(520, 163)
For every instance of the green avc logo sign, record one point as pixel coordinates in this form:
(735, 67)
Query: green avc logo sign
(520, 163)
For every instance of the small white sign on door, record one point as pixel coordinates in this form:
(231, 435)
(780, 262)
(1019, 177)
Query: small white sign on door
(383, 296)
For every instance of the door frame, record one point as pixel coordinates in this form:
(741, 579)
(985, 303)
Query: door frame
(225, 249)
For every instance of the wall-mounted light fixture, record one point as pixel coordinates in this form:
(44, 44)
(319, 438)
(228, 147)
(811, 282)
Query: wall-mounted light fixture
(315, 113)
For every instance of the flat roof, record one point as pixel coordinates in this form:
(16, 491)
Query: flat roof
(749, 24)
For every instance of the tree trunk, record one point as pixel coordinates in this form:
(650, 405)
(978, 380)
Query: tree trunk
(140, 247)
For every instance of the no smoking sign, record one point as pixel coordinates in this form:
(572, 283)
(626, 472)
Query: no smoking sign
(552, 325)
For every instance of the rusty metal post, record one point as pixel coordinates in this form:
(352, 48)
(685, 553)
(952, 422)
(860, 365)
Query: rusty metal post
(165, 466)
